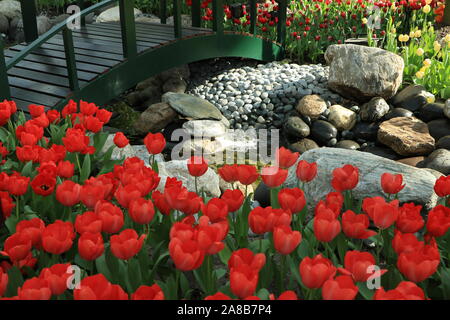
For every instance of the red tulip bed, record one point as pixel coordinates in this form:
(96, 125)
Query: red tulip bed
(77, 225)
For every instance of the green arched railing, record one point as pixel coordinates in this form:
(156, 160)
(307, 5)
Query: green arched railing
(218, 42)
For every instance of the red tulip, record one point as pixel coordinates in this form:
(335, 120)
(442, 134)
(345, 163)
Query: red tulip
(56, 277)
(103, 115)
(229, 173)
(18, 184)
(97, 287)
(58, 237)
(306, 172)
(357, 264)
(87, 109)
(43, 184)
(68, 193)
(406, 242)
(65, 169)
(355, 225)
(91, 193)
(383, 214)
(125, 194)
(161, 203)
(34, 289)
(6, 110)
(88, 222)
(218, 296)
(17, 246)
(340, 288)
(273, 176)
(409, 218)
(285, 240)
(33, 228)
(216, 209)
(191, 205)
(197, 166)
(36, 110)
(345, 178)
(438, 221)
(141, 210)
(247, 257)
(292, 200)
(420, 264)
(111, 216)
(186, 255)
(335, 201)
(153, 292)
(76, 141)
(286, 158)
(262, 220)
(176, 196)
(120, 140)
(326, 226)
(246, 174)
(243, 281)
(392, 183)
(126, 244)
(210, 236)
(155, 143)
(406, 290)
(442, 186)
(90, 246)
(3, 282)
(6, 204)
(233, 198)
(287, 295)
(314, 272)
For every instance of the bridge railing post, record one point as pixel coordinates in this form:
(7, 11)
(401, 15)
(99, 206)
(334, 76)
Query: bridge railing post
(29, 19)
(281, 27)
(196, 12)
(163, 11)
(128, 27)
(253, 16)
(70, 60)
(177, 18)
(217, 9)
(82, 6)
(5, 92)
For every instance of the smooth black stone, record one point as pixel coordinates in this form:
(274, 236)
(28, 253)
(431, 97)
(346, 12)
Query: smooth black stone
(431, 111)
(296, 127)
(413, 103)
(439, 128)
(443, 143)
(306, 119)
(366, 130)
(262, 195)
(382, 152)
(332, 142)
(303, 145)
(398, 112)
(406, 93)
(348, 144)
(322, 131)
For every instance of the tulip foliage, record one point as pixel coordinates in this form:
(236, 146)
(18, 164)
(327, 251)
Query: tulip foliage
(77, 225)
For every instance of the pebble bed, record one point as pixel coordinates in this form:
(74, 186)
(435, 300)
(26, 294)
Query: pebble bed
(262, 96)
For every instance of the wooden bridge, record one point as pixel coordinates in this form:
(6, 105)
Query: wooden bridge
(97, 62)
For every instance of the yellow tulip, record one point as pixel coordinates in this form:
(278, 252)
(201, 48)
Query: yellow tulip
(426, 8)
(431, 99)
(436, 46)
(427, 62)
(420, 52)
(423, 69)
(418, 33)
(403, 38)
(393, 30)
(419, 74)
(447, 37)
(428, 1)
(364, 20)
(412, 34)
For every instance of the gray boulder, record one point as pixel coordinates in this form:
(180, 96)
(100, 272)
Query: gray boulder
(374, 110)
(10, 9)
(438, 160)
(113, 15)
(192, 107)
(4, 24)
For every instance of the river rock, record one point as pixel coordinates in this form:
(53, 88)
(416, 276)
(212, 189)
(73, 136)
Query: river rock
(413, 161)
(186, 20)
(419, 182)
(365, 130)
(113, 15)
(360, 72)
(176, 85)
(374, 110)
(348, 144)
(155, 118)
(439, 128)
(406, 136)
(384, 152)
(4, 24)
(447, 108)
(205, 128)
(311, 106)
(192, 107)
(341, 117)
(322, 131)
(438, 160)
(303, 145)
(11, 9)
(296, 127)
(443, 143)
(406, 93)
(411, 98)
(431, 111)
(398, 112)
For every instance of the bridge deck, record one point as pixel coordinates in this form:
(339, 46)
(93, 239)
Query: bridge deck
(41, 78)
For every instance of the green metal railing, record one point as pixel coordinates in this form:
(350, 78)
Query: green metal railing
(128, 32)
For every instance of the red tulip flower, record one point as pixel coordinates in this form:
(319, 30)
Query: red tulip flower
(243, 281)
(287, 295)
(326, 226)
(155, 143)
(286, 158)
(285, 240)
(357, 264)
(56, 277)
(197, 166)
(58, 237)
(216, 209)
(262, 220)
(161, 203)
(405, 290)
(34, 289)
(126, 244)
(306, 171)
(292, 199)
(233, 198)
(409, 218)
(340, 288)
(17, 246)
(120, 140)
(355, 225)
(18, 184)
(43, 184)
(88, 222)
(442, 186)
(3, 282)
(7, 108)
(36, 110)
(218, 296)
(345, 178)
(186, 255)
(420, 264)
(125, 194)
(91, 193)
(438, 221)
(247, 257)
(406, 242)
(97, 287)
(246, 174)
(383, 214)
(392, 183)
(274, 176)
(209, 237)
(111, 216)
(229, 173)
(65, 169)
(68, 193)
(314, 272)
(33, 228)
(141, 210)
(6, 204)
(153, 292)
(90, 246)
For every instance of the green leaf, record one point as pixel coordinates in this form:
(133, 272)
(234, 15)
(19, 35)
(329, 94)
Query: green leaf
(365, 291)
(157, 263)
(134, 274)
(15, 280)
(11, 223)
(102, 267)
(263, 294)
(27, 169)
(224, 255)
(86, 169)
(220, 273)
(113, 265)
(445, 284)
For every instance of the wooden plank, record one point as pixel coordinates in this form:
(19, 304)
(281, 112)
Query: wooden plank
(31, 85)
(141, 36)
(108, 39)
(41, 77)
(84, 52)
(87, 46)
(169, 28)
(35, 97)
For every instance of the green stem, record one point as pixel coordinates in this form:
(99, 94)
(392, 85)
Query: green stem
(17, 208)
(78, 164)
